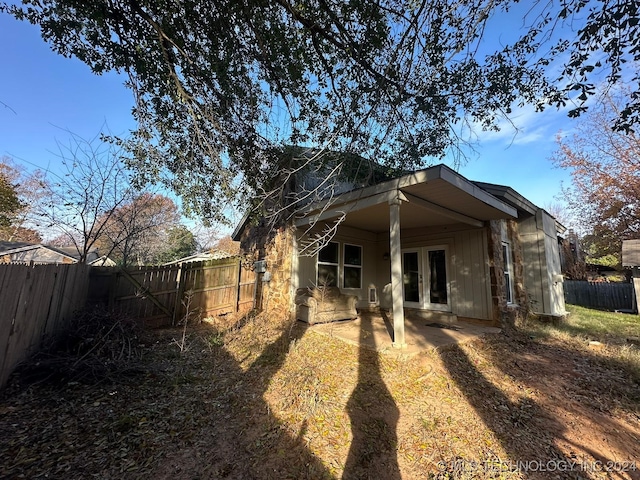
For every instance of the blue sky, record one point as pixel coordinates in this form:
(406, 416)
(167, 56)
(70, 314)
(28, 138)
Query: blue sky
(49, 95)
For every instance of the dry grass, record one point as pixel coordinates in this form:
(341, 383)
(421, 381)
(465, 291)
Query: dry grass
(263, 398)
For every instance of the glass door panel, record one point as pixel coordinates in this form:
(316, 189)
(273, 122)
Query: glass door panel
(438, 282)
(411, 277)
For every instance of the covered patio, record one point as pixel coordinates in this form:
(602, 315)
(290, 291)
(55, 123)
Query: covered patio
(431, 226)
(374, 330)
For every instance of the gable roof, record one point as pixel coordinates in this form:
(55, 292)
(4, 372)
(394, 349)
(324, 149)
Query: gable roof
(6, 246)
(31, 246)
(445, 194)
(510, 196)
(203, 256)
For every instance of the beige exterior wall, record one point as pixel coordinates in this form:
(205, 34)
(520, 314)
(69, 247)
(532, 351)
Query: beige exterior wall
(306, 265)
(470, 293)
(473, 291)
(542, 272)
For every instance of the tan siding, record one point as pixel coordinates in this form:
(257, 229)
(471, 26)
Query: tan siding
(472, 293)
(468, 274)
(533, 264)
(352, 236)
(306, 271)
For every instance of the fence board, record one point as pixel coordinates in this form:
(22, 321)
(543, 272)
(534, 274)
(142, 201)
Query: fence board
(606, 296)
(158, 295)
(35, 302)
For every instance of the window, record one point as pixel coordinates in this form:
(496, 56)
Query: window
(328, 263)
(352, 266)
(508, 269)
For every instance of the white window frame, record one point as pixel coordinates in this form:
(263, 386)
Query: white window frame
(349, 265)
(508, 271)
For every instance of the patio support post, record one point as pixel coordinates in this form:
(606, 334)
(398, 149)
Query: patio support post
(395, 254)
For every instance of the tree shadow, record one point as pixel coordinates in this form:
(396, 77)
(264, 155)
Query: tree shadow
(527, 432)
(244, 439)
(530, 441)
(374, 418)
(585, 384)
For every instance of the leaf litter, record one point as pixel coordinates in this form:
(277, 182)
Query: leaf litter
(258, 398)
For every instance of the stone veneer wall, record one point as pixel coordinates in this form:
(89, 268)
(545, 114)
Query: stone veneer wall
(502, 314)
(521, 298)
(276, 247)
(496, 273)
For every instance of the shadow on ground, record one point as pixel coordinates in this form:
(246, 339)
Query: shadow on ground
(543, 434)
(374, 419)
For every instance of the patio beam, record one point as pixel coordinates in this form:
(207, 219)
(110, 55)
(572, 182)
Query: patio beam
(440, 210)
(395, 254)
(353, 206)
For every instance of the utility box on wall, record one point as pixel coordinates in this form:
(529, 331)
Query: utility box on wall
(260, 266)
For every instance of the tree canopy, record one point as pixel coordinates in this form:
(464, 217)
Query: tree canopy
(26, 190)
(179, 243)
(221, 87)
(10, 204)
(605, 171)
(138, 231)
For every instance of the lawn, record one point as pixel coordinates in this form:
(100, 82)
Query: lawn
(258, 398)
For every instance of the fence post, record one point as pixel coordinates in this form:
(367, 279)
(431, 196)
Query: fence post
(636, 289)
(236, 307)
(177, 309)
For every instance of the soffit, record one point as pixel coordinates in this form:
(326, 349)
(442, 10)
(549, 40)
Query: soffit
(438, 185)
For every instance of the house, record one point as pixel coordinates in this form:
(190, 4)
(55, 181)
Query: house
(631, 260)
(631, 254)
(21, 252)
(424, 242)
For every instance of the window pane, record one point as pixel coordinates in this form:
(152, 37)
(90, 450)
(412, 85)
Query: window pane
(508, 268)
(438, 280)
(352, 255)
(329, 253)
(505, 254)
(411, 277)
(352, 277)
(327, 275)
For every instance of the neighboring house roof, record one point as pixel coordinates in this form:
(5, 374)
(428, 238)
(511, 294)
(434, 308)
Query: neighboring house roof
(102, 261)
(199, 257)
(5, 246)
(22, 251)
(631, 253)
(39, 251)
(92, 255)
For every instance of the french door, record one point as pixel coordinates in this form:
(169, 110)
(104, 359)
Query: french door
(426, 279)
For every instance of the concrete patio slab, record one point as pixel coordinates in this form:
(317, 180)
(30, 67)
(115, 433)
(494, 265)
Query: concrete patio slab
(375, 331)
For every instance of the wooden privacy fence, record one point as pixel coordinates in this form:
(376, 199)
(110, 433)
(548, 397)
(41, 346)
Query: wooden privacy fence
(162, 295)
(36, 301)
(607, 296)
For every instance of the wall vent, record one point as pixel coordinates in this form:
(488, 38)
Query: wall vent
(373, 297)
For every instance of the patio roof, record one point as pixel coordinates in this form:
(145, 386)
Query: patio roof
(433, 196)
